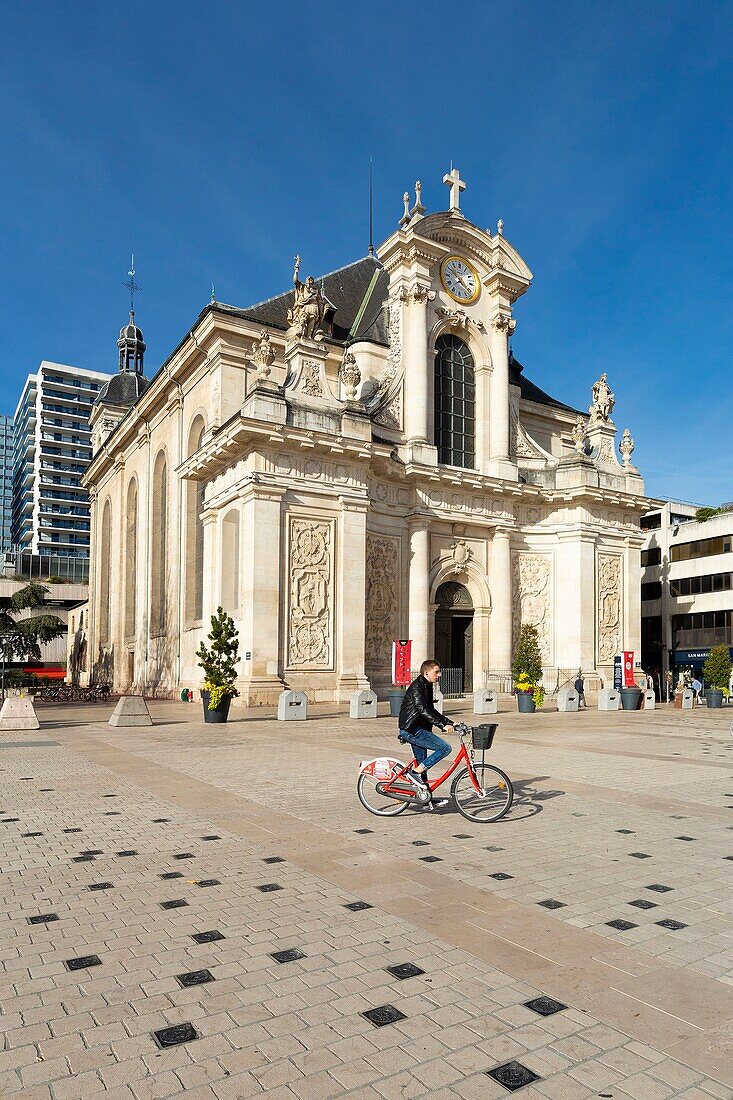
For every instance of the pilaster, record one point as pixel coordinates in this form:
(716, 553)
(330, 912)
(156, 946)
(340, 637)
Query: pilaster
(351, 599)
(500, 461)
(419, 593)
(575, 595)
(500, 583)
(260, 681)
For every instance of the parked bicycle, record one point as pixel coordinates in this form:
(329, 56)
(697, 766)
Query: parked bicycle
(481, 792)
(73, 693)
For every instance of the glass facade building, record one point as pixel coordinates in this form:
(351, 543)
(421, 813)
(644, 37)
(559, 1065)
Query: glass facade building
(6, 480)
(52, 449)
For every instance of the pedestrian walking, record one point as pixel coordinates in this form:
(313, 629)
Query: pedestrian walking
(580, 688)
(697, 688)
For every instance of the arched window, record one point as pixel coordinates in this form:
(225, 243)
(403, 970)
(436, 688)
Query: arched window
(104, 574)
(195, 490)
(455, 403)
(159, 569)
(131, 562)
(230, 562)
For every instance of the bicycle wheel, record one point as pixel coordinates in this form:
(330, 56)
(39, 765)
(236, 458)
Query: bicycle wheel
(376, 803)
(493, 804)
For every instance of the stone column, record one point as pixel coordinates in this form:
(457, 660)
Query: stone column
(210, 571)
(631, 626)
(576, 608)
(419, 598)
(501, 464)
(417, 426)
(351, 599)
(500, 582)
(261, 549)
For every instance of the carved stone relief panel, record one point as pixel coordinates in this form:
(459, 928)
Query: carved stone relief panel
(609, 607)
(382, 578)
(310, 594)
(532, 599)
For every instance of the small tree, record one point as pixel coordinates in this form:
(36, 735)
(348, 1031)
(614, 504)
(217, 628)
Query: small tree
(718, 668)
(527, 665)
(219, 659)
(21, 638)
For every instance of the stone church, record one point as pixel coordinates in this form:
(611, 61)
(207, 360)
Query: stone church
(356, 460)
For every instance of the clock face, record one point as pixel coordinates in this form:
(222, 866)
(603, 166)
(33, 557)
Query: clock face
(460, 279)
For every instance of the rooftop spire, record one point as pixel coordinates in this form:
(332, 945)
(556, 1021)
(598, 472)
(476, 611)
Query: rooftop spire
(131, 343)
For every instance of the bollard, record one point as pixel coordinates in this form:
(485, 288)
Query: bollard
(567, 699)
(608, 699)
(18, 713)
(292, 706)
(688, 699)
(485, 702)
(131, 710)
(363, 704)
(650, 700)
(438, 698)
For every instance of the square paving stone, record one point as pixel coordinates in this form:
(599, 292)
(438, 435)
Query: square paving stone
(184, 855)
(626, 832)
(177, 903)
(621, 925)
(10, 820)
(291, 955)
(101, 886)
(501, 876)
(43, 918)
(194, 977)
(212, 837)
(385, 1014)
(673, 924)
(658, 888)
(273, 859)
(113, 813)
(421, 843)
(46, 790)
(512, 1075)
(174, 1036)
(209, 882)
(642, 903)
(551, 903)
(208, 937)
(128, 852)
(685, 838)
(160, 820)
(72, 830)
(91, 852)
(31, 834)
(109, 796)
(357, 906)
(545, 1006)
(82, 859)
(363, 831)
(83, 962)
(171, 874)
(431, 859)
(640, 855)
(269, 887)
(493, 848)
(404, 970)
(462, 836)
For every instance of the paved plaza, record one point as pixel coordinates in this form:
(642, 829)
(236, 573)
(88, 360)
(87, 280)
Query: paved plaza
(227, 878)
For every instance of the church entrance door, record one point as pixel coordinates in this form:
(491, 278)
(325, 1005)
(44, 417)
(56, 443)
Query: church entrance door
(454, 636)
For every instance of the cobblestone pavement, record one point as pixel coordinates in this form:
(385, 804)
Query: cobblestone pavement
(175, 862)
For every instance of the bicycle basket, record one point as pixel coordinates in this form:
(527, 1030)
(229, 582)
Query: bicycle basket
(484, 735)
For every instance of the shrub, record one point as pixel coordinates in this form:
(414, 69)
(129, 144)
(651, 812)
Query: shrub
(718, 668)
(527, 664)
(218, 660)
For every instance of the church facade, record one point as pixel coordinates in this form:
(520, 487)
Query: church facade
(358, 460)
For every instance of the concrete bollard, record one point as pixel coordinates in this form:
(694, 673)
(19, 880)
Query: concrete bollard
(608, 699)
(650, 699)
(688, 699)
(18, 713)
(292, 706)
(485, 702)
(363, 704)
(438, 698)
(131, 710)
(567, 699)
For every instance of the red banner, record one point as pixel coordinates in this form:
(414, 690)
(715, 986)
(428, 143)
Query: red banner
(401, 662)
(629, 681)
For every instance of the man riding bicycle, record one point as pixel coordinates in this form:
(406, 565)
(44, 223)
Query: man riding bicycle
(417, 718)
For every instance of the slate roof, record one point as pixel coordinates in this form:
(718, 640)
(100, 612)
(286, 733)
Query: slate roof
(122, 389)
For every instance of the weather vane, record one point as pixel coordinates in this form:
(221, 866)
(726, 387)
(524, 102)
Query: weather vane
(132, 286)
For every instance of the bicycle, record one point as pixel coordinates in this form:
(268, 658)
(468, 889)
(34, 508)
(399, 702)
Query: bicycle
(482, 792)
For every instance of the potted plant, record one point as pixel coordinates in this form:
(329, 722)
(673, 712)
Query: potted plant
(218, 661)
(717, 675)
(527, 671)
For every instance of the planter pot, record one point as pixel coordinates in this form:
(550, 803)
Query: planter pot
(630, 698)
(714, 698)
(525, 702)
(220, 713)
(395, 696)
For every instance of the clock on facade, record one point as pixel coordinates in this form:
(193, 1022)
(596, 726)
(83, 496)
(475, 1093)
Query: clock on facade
(460, 279)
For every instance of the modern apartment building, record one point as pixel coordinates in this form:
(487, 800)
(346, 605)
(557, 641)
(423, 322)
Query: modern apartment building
(6, 480)
(687, 587)
(50, 509)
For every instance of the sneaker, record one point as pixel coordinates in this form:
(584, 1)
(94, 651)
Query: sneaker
(439, 803)
(417, 779)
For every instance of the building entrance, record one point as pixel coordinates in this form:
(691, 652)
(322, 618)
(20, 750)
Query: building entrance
(454, 633)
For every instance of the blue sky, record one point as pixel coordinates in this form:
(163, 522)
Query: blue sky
(216, 140)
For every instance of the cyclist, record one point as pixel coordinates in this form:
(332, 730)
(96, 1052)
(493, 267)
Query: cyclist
(417, 718)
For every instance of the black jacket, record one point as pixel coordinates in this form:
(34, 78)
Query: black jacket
(418, 708)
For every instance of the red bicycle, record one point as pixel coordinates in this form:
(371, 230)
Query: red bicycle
(480, 791)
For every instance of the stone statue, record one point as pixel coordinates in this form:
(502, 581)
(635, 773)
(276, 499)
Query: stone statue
(579, 435)
(626, 446)
(264, 355)
(603, 402)
(306, 316)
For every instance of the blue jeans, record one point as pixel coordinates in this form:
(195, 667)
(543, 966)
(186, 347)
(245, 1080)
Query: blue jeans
(427, 746)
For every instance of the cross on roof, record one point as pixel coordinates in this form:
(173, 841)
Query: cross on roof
(132, 286)
(456, 184)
